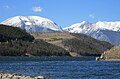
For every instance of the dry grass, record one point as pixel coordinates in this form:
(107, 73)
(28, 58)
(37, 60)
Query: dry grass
(51, 35)
(55, 38)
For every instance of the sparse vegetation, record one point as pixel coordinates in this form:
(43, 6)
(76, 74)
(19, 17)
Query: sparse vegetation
(79, 43)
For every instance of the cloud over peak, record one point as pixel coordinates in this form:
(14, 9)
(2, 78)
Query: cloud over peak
(92, 16)
(37, 9)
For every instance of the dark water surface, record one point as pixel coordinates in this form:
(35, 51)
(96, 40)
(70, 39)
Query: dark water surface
(61, 67)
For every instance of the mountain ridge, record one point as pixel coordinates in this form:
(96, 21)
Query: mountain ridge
(33, 24)
(104, 31)
(95, 30)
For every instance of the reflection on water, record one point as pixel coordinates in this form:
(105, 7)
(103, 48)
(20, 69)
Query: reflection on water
(61, 67)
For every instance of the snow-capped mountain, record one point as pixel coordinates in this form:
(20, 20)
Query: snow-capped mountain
(104, 31)
(33, 24)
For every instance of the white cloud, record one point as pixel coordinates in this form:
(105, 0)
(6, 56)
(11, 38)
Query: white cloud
(6, 7)
(92, 16)
(37, 9)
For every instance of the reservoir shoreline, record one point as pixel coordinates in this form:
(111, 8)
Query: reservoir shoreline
(16, 76)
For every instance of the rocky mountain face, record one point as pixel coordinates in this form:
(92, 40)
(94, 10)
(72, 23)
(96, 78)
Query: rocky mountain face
(33, 24)
(104, 31)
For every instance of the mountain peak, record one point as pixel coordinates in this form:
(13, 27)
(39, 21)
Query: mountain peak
(104, 31)
(84, 22)
(33, 24)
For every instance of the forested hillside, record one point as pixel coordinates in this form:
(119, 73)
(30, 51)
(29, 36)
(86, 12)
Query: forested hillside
(8, 33)
(17, 42)
(85, 45)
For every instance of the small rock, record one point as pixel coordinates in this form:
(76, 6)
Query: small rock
(39, 77)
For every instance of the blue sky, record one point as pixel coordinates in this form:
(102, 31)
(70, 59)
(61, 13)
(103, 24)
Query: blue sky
(63, 12)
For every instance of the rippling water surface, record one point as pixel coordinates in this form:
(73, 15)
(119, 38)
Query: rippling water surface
(61, 67)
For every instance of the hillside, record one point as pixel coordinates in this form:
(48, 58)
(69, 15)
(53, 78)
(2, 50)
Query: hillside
(8, 33)
(76, 44)
(112, 54)
(35, 48)
(17, 42)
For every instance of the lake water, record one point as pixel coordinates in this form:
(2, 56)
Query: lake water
(61, 67)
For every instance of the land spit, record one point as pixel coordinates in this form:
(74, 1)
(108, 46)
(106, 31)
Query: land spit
(111, 55)
(15, 76)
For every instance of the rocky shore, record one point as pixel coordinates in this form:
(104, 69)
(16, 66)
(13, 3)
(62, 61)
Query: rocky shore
(111, 55)
(15, 76)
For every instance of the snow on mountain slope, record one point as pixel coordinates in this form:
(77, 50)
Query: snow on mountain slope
(33, 24)
(104, 31)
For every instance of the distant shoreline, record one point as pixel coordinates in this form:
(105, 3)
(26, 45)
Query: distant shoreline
(100, 59)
